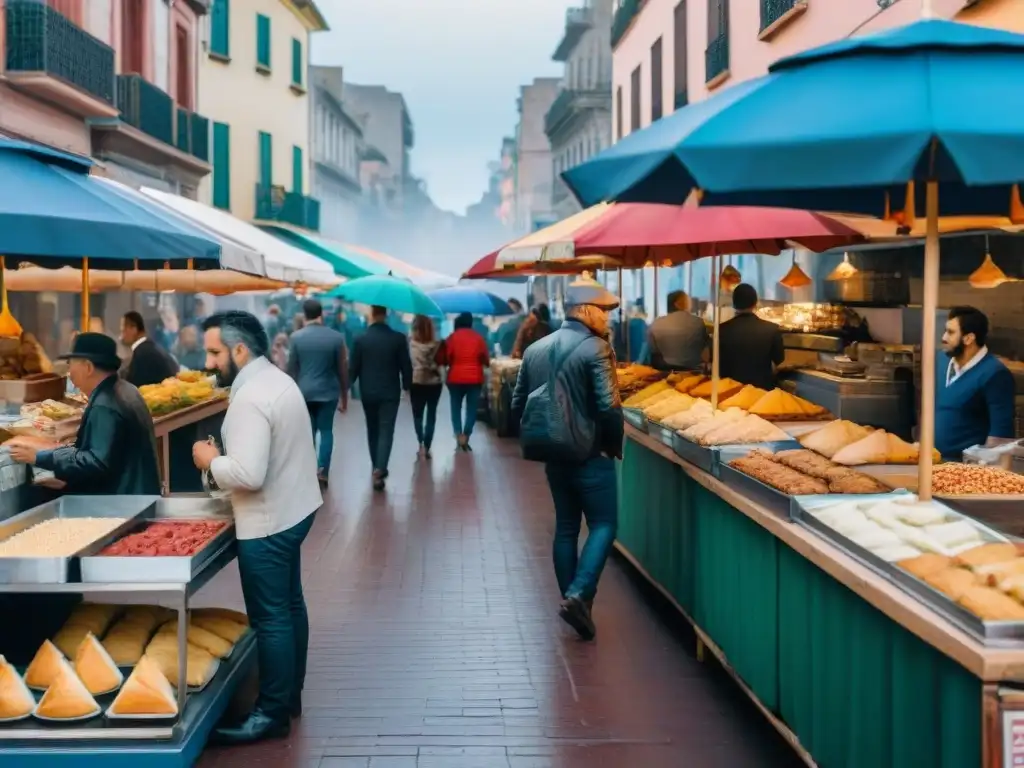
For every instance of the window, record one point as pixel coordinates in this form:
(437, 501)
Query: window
(716, 57)
(656, 76)
(220, 28)
(618, 113)
(182, 67)
(133, 37)
(297, 170)
(298, 65)
(262, 42)
(222, 166)
(681, 50)
(266, 159)
(634, 101)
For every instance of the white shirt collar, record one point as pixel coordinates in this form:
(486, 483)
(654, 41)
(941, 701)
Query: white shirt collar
(954, 371)
(137, 342)
(250, 370)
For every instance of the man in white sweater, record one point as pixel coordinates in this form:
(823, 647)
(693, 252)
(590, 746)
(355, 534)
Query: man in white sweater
(269, 466)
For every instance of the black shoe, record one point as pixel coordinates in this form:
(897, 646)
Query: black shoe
(384, 474)
(575, 613)
(256, 727)
(296, 708)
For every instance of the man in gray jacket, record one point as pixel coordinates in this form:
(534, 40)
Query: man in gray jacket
(318, 361)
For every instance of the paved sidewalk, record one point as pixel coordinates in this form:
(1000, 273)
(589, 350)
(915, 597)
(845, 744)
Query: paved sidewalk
(436, 644)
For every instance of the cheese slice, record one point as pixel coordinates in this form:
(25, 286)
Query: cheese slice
(95, 668)
(16, 700)
(67, 698)
(45, 666)
(146, 692)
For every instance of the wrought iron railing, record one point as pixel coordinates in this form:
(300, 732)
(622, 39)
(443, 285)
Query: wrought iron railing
(192, 134)
(716, 58)
(623, 18)
(40, 39)
(146, 107)
(773, 10)
(287, 207)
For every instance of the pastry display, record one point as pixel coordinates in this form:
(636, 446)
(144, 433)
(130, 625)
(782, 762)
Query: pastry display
(996, 574)
(706, 426)
(985, 554)
(686, 384)
(126, 642)
(805, 470)
(926, 564)
(200, 664)
(833, 437)
(95, 668)
(175, 393)
(197, 636)
(96, 617)
(779, 405)
(632, 376)
(701, 410)
(745, 398)
(991, 604)
(59, 537)
(760, 466)
(638, 399)
(177, 538)
(16, 700)
(880, 447)
(745, 430)
(67, 698)
(220, 613)
(658, 397)
(669, 406)
(952, 581)
(44, 667)
(147, 691)
(232, 631)
(726, 389)
(971, 479)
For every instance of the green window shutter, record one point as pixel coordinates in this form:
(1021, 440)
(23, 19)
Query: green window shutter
(297, 170)
(220, 28)
(297, 62)
(262, 41)
(222, 166)
(266, 159)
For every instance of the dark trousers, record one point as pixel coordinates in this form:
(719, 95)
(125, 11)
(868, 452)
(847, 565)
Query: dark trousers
(587, 490)
(380, 430)
(271, 574)
(321, 418)
(470, 394)
(424, 399)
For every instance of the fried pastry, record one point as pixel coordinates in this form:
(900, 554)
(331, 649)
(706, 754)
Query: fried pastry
(67, 698)
(16, 700)
(225, 628)
(987, 554)
(833, 437)
(45, 666)
(991, 604)
(200, 664)
(808, 462)
(782, 478)
(726, 389)
(687, 383)
(745, 398)
(952, 581)
(926, 564)
(995, 574)
(208, 641)
(147, 691)
(845, 480)
(95, 668)
(748, 429)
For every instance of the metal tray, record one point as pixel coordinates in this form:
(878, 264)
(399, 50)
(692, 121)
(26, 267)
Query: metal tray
(109, 569)
(772, 499)
(1001, 512)
(61, 570)
(995, 633)
(661, 432)
(635, 418)
(700, 456)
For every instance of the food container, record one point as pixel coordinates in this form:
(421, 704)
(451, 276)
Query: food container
(661, 432)
(700, 456)
(992, 633)
(635, 418)
(33, 390)
(64, 569)
(164, 569)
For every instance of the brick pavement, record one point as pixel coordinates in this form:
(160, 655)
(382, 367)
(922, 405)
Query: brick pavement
(435, 641)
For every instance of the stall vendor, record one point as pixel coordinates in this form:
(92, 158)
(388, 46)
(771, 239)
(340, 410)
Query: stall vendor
(974, 392)
(115, 450)
(750, 347)
(677, 341)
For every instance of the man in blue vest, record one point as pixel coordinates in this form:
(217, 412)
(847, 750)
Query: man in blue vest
(974, 391)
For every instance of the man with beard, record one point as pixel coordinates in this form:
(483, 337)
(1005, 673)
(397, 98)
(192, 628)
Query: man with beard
(974, 391)
(269, 466)
(567, 402)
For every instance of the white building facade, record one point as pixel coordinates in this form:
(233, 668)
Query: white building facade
(337, 154)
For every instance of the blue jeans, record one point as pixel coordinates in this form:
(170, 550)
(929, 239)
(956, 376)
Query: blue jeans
(321, 417)
(583, 490)
(270, 570)
(470, 393)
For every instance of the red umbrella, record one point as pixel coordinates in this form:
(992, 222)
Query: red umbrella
(488, 268)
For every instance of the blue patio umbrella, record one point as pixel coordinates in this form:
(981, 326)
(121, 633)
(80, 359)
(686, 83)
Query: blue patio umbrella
(53, 213)
(924, 118)
(389, 292)
(454, 301)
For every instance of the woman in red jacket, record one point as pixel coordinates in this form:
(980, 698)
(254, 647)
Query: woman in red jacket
(465, 355)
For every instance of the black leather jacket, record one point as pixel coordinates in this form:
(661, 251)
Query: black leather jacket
(566, 398)
(115, 450)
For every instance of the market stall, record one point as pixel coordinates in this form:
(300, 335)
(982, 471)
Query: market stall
(131, 673)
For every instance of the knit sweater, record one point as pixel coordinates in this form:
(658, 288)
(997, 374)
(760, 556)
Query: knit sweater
(973, 407)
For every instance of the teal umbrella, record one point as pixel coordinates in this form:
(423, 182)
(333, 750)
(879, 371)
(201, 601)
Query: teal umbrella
(389, 292)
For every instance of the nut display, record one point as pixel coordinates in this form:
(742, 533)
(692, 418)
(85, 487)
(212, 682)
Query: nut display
(970, 479)
(59, 537)
(166, 539)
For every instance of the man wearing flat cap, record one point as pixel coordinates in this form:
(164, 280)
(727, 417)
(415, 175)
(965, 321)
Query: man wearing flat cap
(115, 450)
(567, 402)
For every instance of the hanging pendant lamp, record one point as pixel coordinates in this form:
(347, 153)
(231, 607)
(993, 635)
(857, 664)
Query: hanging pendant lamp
(988, 275)
(844, 271)
(796, 277)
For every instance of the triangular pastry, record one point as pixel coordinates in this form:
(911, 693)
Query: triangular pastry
(745, 398)
(686, 384)
(833, 437)
(873, 449)
(221, 613)
(16, 699)
(67, 698)
(669, 407)
(45, 666)
(95, 668)
(70, 636)
(780, 405)
(726, 389)
(146, 692)
(749, 429)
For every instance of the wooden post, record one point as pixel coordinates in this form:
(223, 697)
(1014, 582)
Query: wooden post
(716, 283)
(86, 314)
(929, 308)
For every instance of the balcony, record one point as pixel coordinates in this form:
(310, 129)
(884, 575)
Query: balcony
(775, 14)
(52, 59)
(624, 15)
(192, 134)
(682, 99)
(274, 204)
(716, 61)
(577, 22)
(146, 107)
(568, 104)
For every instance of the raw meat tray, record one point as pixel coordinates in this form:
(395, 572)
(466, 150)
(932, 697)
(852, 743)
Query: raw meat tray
(996, 633)
(635, 418)
(166, 569)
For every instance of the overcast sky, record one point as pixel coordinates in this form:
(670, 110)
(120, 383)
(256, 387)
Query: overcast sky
(459, 64)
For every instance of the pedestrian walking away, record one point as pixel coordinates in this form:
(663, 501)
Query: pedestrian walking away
(319, 364)
(269, 467)
(425, 391)
(465, 355)
(567, 403)
(381, 366)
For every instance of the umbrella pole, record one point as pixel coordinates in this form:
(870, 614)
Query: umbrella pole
(931, 300)
(85, 295)
(622, 328)
(716, 277)
(655, 291)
